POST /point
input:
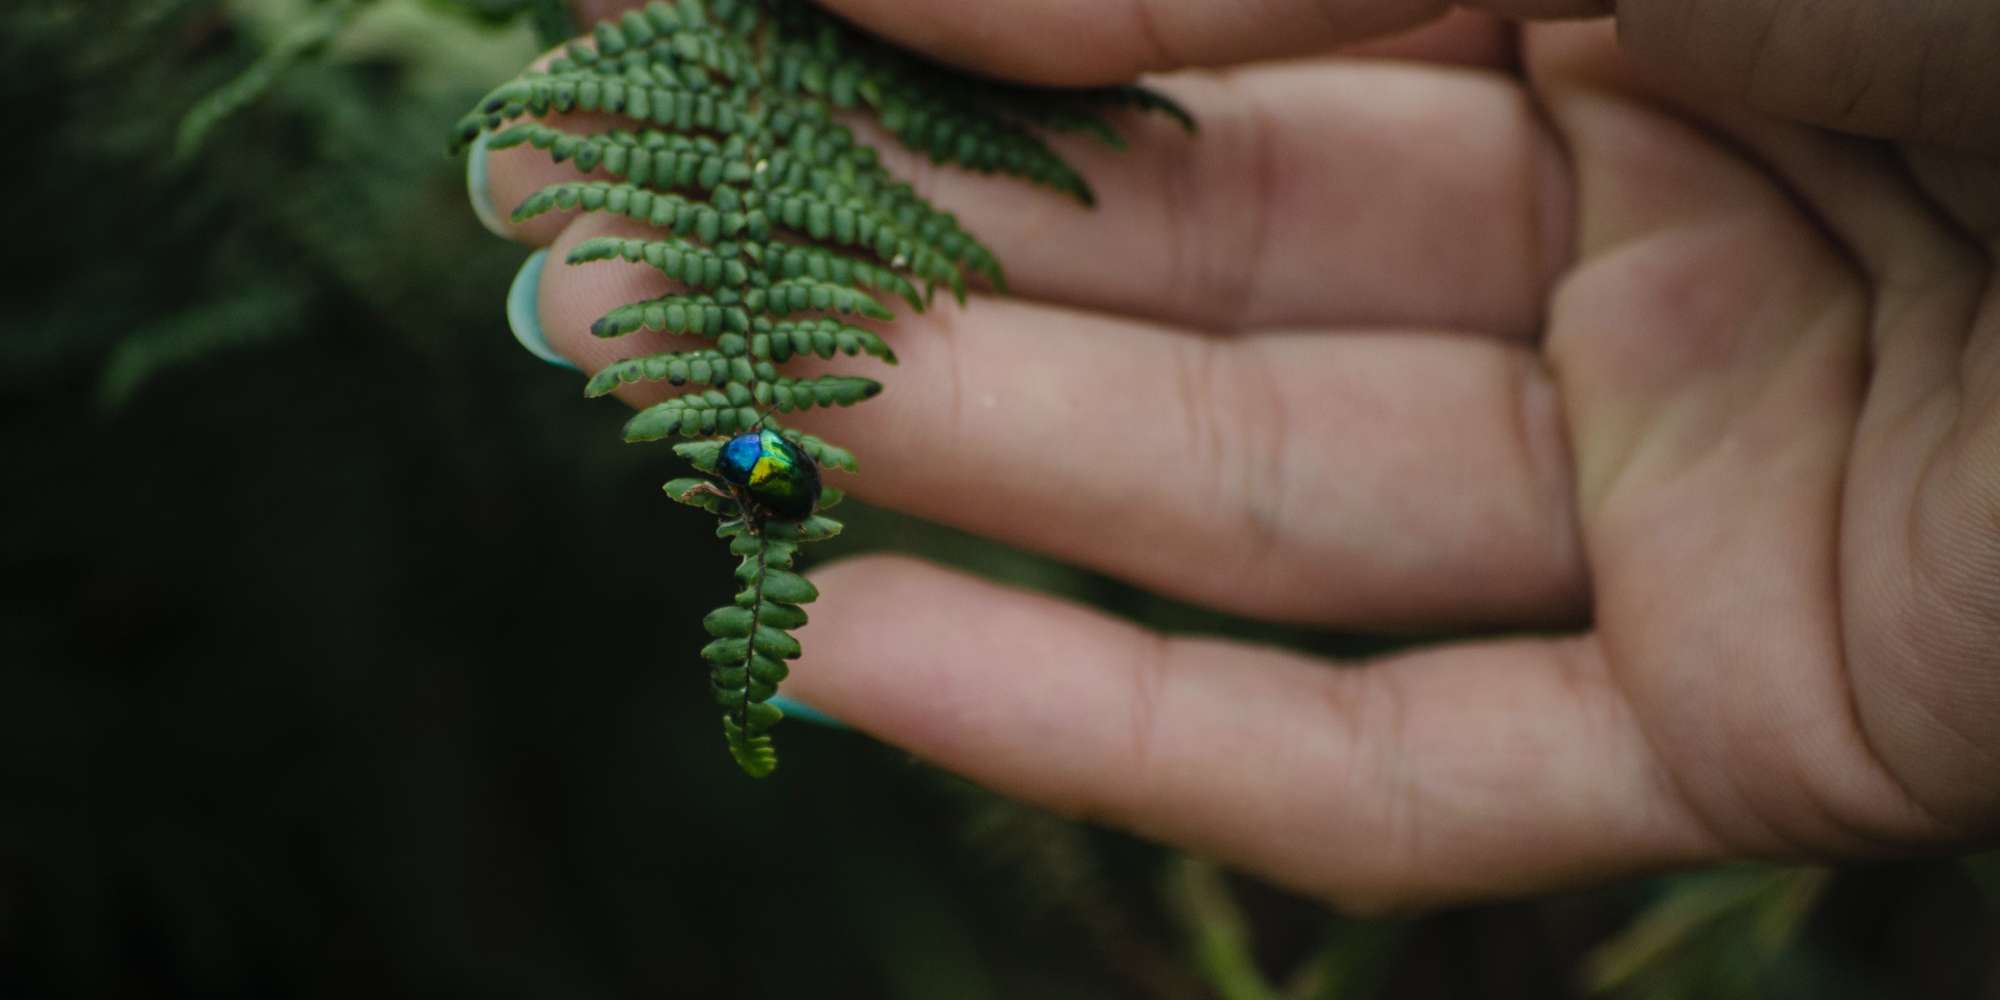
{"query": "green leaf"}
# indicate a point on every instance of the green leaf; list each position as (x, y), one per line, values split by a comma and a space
(731, 622)
(726, 652)
(697, 414)
(782, 616)
(768, 670)
(789, 588)
(823, 337)
(700, 454)
(773, 642)
(754, 754)
(701, 367)
(786, 395)
(826, 455)
(1757, 908)
(759, 552)
(690, 491)
(812, 529)
(761, 718)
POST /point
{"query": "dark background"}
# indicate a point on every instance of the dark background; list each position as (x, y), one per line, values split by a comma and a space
(345, 651)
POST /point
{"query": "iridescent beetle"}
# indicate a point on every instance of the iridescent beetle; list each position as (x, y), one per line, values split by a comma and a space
(769, 477)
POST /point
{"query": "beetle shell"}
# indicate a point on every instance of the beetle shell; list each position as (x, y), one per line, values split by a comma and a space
(772, 472)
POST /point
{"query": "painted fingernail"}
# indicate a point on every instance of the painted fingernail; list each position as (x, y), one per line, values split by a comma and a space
(524, 311)
(796, 709)
(478, 191)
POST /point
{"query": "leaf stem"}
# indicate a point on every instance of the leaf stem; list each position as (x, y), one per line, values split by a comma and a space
(756, 620)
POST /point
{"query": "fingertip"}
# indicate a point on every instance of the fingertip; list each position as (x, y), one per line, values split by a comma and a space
(498, 181)
(524, 317)
(872, 611)
(479, 189)
(799, 710)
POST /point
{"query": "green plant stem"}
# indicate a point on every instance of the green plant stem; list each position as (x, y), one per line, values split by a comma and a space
(254, 81)
(1217, 931)
(756, 619)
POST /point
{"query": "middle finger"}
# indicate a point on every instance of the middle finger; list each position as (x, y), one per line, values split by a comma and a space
(1335, 192)
(1380, 478)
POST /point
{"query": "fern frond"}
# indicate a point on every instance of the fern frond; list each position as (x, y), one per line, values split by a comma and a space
(309, 36)
(702, 367)
(702, 315)
(823, 337)
(785, 394)
(692, 264)
(779, 229)
(789, 296)
(697, 414)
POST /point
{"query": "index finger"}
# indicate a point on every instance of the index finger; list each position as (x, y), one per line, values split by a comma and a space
(1885, 68)
(1066, 43)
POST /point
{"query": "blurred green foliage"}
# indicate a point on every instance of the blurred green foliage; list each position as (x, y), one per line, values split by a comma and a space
(334, 660)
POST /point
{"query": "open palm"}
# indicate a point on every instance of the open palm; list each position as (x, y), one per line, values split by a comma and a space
(1496, 334)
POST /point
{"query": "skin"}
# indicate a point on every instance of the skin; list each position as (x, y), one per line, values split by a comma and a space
(1672, 347)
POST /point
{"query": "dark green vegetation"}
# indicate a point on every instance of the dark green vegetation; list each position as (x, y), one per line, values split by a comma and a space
(781, 229)
(335, 659)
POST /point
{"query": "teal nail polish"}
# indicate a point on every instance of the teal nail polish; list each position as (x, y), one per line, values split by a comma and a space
(524, 315)
(478, 191)
(796, 709)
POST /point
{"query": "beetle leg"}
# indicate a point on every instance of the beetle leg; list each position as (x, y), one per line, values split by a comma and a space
(753, 517)
(706, 489)
(753, 514)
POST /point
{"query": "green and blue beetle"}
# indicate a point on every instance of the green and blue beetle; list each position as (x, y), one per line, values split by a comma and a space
(769, 477)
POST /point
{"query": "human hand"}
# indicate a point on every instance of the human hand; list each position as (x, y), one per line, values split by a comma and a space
(1519, 330)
